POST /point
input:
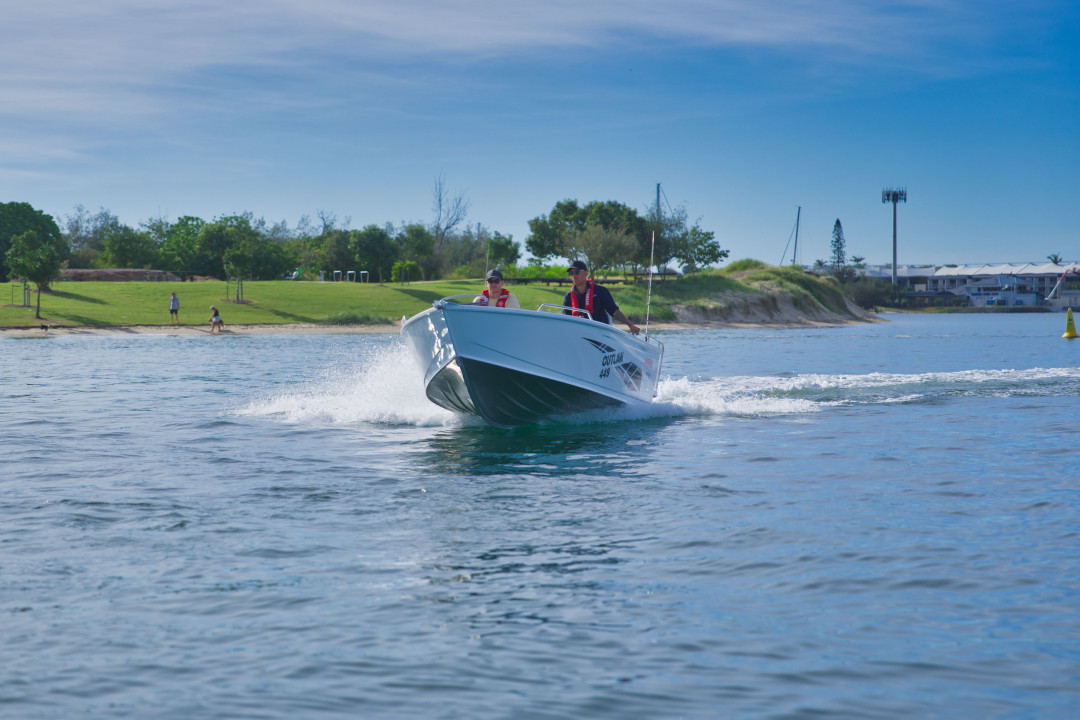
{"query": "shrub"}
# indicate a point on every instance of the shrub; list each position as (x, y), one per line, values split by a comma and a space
(743, 266)
(869, 292)
(343, 318)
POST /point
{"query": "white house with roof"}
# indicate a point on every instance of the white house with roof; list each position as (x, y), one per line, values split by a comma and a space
(1011, 283)
(915, 277)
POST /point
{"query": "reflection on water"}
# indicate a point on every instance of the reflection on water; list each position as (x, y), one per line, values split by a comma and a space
(609, 450)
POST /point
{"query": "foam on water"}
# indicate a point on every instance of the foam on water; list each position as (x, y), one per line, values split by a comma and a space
(751, 396)
(383, 386)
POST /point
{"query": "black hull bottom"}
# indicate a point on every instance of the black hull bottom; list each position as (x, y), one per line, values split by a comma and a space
(508, 398)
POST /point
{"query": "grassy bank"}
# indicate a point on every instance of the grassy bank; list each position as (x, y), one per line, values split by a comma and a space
(271, 302)
(710, 288)
(279, 302)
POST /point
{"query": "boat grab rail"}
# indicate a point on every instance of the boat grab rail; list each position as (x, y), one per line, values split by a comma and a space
(645, 338)
(581, 312)
(557, 306)
(440, 304)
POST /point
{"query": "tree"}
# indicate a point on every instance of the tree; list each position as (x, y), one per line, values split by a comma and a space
(553, 234)
(449, 212)
(328, 220)
(178, 248)
(467, 253)
(35, 259)
(124, 247)
(549, 233)
(502, 250)
(218, 237)
(249, 251)
(338, 252)
(669, 228)
(1054, 258)
(416, 242)
(237, 263)
(308, 252)
(838, 257)
(85, 234)
(18, 217)
(270, 260)
(870, 292)
(696, 248)
(601, 247)
(375, 250)
(405, 270)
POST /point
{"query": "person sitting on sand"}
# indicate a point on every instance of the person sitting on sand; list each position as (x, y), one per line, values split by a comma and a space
(215, 320)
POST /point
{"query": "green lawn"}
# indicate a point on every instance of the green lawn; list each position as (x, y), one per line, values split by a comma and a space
(273, 302)
(282, 302)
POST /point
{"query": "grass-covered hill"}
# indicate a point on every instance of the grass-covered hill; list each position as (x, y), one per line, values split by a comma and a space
(746, 291)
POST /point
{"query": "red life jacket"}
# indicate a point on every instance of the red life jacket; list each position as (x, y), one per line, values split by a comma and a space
(588, 298)
(501, 302)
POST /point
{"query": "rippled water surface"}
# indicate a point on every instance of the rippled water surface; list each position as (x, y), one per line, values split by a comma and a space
(872, 521)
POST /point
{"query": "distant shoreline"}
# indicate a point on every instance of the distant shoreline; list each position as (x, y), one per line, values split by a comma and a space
(311, 328)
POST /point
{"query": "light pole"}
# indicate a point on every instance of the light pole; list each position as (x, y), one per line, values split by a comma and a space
(894, 196)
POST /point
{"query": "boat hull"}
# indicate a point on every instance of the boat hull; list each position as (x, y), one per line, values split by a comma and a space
(516, 367)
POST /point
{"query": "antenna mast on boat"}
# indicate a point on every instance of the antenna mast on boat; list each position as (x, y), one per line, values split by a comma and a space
(648, 297)
(652, 254)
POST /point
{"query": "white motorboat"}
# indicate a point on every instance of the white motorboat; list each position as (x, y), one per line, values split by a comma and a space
(514, 367)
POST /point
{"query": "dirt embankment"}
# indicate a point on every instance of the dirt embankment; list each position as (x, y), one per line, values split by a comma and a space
(777, 308)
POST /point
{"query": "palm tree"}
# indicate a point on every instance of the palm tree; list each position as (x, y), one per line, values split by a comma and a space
(1054, 258)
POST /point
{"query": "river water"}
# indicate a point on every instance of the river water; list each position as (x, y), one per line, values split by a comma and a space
(869, 521)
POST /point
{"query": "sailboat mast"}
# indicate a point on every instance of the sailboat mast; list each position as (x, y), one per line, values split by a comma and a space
(795, 252)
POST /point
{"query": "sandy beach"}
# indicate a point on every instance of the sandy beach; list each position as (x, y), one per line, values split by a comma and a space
(36, 332)
(194, 329)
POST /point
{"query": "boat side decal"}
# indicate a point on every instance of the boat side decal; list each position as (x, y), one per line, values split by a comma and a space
(631, 375)
(629, 372)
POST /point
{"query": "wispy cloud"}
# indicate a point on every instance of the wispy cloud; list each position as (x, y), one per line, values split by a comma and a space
(125, 63)
(131, 46)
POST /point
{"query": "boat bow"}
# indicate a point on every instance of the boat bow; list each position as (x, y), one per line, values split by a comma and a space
(513, 367)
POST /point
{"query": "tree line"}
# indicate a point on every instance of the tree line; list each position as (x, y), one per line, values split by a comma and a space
(248, 248)
(607, 235)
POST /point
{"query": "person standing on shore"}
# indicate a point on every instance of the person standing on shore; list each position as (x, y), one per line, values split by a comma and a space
(589, 295)
(174, 309)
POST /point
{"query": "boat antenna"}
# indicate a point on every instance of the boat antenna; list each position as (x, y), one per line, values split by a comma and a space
(648, 297)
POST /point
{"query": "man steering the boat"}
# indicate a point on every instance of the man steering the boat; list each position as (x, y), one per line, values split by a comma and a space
(589, 295)
(496, 295)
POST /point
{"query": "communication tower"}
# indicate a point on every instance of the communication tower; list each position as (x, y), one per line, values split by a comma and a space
(894, 195)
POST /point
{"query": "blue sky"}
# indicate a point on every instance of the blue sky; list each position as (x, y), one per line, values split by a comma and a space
(742, 109)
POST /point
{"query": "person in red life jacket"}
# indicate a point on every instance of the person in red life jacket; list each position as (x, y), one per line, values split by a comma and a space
(495, 294)
(589, 295)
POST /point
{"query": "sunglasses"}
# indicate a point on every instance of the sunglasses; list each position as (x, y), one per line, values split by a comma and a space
(494, 281)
